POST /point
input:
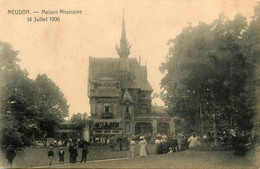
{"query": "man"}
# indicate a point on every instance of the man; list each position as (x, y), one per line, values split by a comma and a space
(50, 156)
(84, 154)
(61, 155)
(10, 154)
(74, 154)
(174, 143)
(71, 151)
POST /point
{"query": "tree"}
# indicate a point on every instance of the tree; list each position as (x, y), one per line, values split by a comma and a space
(79, 120)
(17, 100)
(210, 74)
(52, 104)
(158, 110)
(28, 108)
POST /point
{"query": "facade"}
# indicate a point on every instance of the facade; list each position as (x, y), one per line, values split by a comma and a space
(120, 96)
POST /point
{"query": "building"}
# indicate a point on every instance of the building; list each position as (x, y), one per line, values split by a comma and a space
(120, 96)
(67, 130)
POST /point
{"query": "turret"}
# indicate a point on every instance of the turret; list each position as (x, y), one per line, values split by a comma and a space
(124, 50)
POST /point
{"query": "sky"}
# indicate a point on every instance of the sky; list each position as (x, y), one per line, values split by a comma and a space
(62, 49)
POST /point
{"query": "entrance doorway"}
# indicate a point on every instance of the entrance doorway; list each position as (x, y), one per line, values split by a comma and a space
(143, 128)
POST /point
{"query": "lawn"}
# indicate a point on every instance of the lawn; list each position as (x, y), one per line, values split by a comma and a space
(37, 157)
(185, 159)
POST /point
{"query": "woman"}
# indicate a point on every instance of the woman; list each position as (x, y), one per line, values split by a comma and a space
(193, 140)
(132, 148)
(142, 145)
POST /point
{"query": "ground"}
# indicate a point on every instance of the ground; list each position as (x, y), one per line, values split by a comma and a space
(104, 157)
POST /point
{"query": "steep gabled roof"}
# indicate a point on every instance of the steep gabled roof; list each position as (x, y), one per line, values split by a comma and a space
(103, 68)
(110, 68)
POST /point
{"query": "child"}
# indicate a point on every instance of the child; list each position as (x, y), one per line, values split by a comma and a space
(170, 151)
(61, 155)
(50, 156)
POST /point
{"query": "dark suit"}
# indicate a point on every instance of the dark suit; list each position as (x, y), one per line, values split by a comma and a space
(70, 151)
(84, 154)
(74, 155)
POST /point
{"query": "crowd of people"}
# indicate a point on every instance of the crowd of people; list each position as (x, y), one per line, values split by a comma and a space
(230, 139)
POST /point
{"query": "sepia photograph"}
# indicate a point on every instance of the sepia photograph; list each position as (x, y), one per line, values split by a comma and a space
(129, 84)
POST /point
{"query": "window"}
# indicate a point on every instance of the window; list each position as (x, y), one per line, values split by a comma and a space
(107, 109)
(127, 114)
(144, 109)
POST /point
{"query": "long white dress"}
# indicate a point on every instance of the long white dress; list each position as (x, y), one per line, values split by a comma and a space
(142, 145)
(132, 148)
(193, 141)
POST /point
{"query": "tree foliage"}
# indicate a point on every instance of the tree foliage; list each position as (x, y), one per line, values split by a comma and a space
(210, 72)
(159, 110)
(51, 103)
(29, 108)
(79, 120)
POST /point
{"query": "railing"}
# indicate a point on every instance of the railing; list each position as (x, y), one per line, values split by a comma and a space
(107, 116)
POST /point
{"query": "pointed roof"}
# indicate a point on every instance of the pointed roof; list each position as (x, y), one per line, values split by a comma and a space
(127, 97)
(123, 35)
(124, 49)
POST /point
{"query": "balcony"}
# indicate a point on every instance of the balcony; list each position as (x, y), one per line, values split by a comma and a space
(107, 115)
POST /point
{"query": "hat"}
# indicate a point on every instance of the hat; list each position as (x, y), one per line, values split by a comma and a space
(50, 147)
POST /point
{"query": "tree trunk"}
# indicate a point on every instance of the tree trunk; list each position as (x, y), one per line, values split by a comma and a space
(201, 122)
(215, 128)
(230, 121)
